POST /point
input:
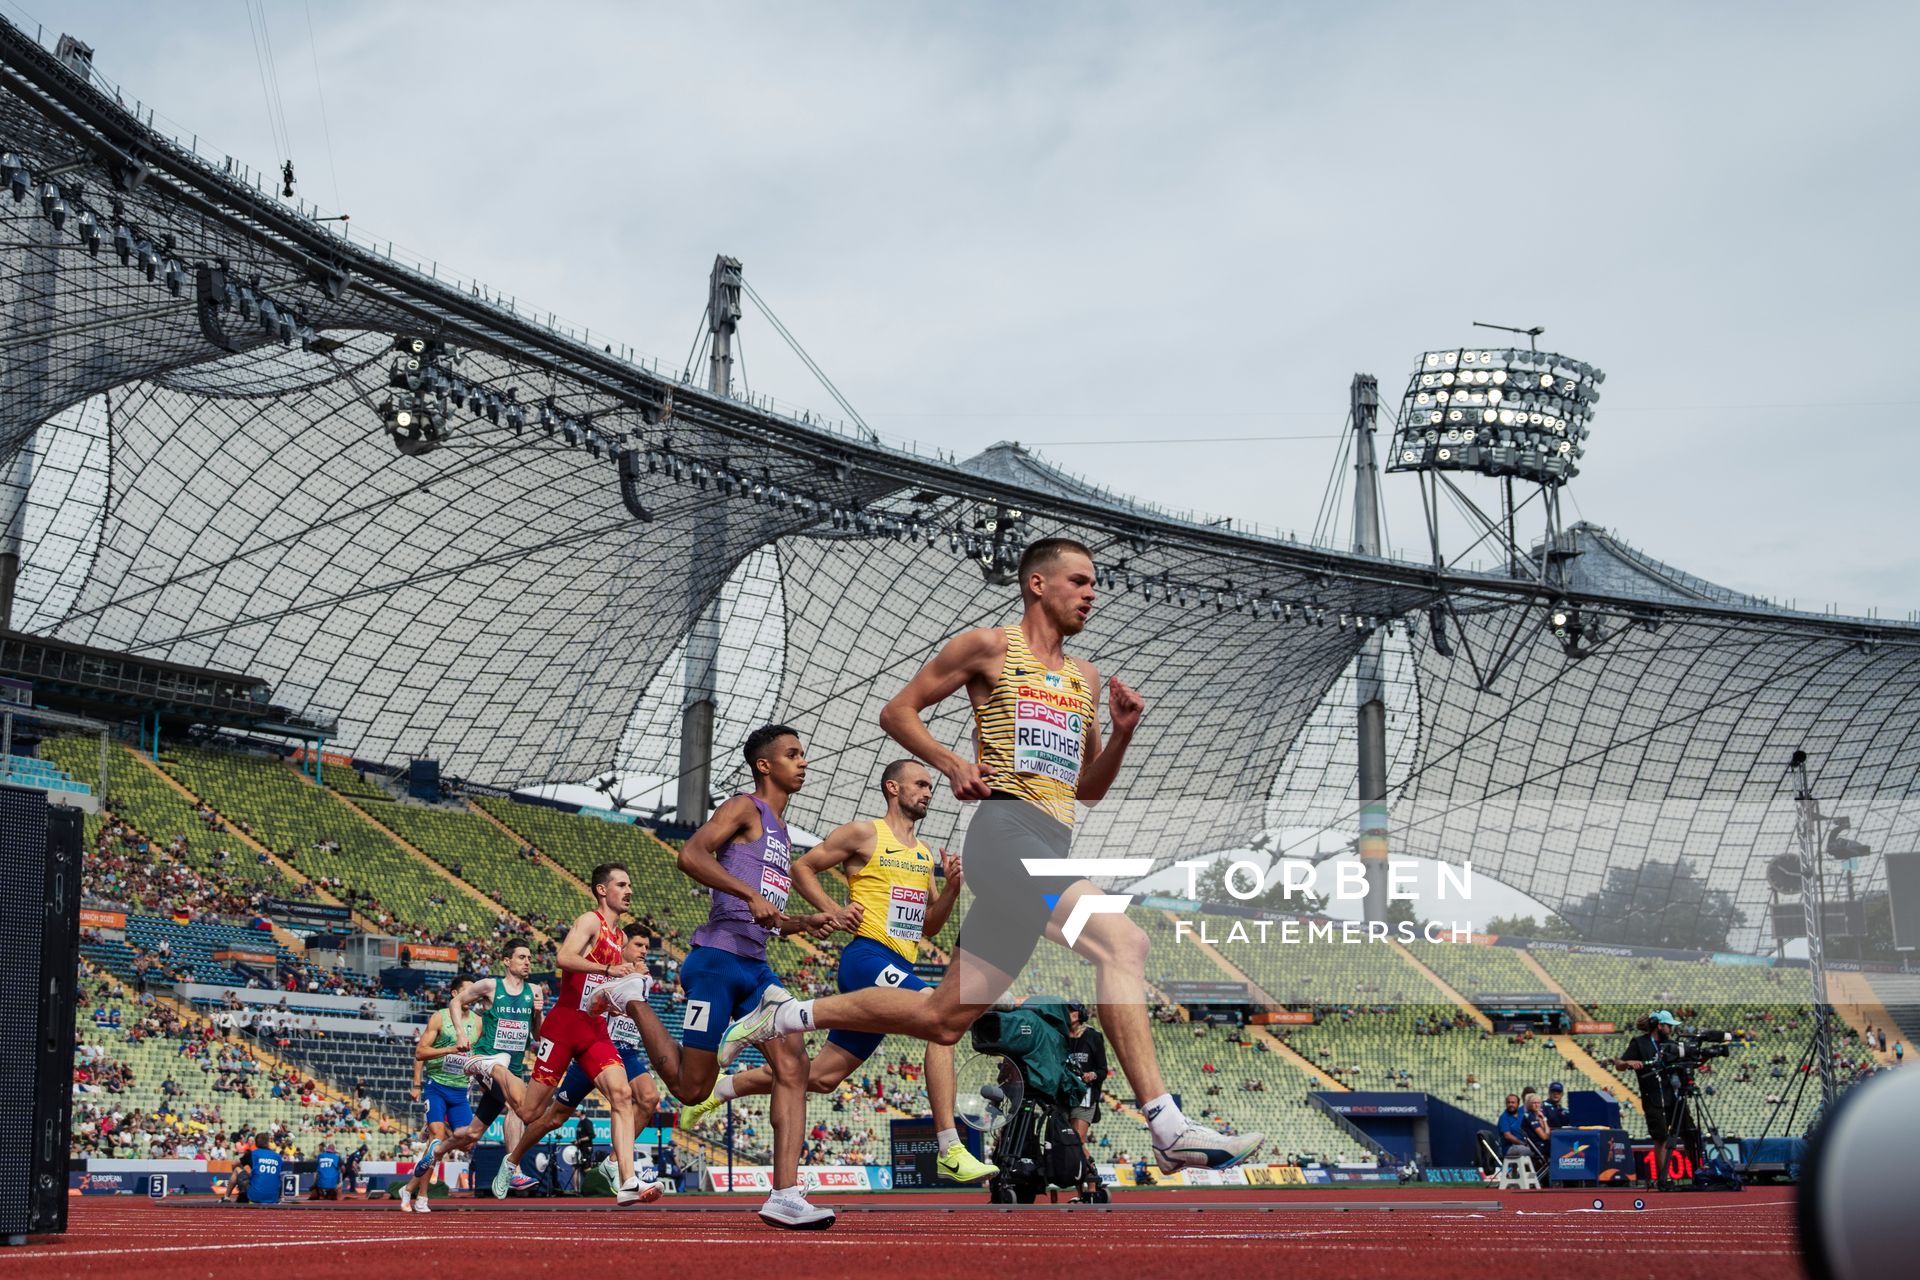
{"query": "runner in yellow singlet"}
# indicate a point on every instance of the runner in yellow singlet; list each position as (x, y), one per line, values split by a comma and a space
(1039, 754)
(890, 876)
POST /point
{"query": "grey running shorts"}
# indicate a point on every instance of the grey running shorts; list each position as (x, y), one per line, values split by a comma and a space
(1010, 906)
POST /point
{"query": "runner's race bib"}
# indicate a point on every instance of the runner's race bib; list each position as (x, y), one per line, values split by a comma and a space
(587, 988)
(1048, 730)
(775, 885)
(906, 912)
(623, 1030)
(510, 1035)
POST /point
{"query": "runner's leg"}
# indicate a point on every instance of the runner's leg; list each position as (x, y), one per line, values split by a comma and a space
(787, 1058)
(1118, 949)
(613, 1086)
(829, 1067)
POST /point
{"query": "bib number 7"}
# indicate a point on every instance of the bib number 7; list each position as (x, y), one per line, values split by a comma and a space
(695, 1019)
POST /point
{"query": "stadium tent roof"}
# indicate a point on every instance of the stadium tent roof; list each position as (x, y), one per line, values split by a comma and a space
(209, 496)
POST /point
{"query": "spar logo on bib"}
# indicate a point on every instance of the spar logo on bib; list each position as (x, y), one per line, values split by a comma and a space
(1048, 730)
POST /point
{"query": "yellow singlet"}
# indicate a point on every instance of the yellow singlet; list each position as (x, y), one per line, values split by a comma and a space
(1033, 730)
(894, 889)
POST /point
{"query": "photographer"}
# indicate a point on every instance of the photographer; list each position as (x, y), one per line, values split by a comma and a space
(1650, 1056)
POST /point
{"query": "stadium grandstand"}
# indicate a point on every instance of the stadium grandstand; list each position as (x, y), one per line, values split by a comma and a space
(335, 686)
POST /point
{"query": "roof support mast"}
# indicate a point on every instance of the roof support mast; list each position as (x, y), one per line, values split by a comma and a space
(701, 673)
(1370, 688)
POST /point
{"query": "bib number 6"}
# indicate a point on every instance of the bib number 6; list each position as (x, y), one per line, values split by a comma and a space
(891, 976)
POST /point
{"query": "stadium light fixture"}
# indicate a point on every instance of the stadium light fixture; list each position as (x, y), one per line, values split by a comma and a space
(1509, 413)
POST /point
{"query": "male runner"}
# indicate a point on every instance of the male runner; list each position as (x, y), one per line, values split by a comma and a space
(588, 957)
(446, 1092)
(511, 1009)
(890, 873)
(506, 1018)
(742, 856)
(574, 1089)
(1037, 734)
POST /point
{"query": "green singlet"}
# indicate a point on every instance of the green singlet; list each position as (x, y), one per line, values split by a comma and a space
(437, 1070)
(506, 1025)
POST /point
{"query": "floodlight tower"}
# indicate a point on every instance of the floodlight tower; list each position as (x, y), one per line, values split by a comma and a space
(701, 675)
(1519, 416)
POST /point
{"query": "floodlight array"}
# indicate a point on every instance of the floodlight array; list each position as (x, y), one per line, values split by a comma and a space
(1515, 413)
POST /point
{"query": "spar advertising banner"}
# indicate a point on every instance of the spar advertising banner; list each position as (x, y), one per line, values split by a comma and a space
(813, 1177)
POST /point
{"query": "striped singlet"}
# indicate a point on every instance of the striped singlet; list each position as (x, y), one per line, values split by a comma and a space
(1032, 730)
(894, 887)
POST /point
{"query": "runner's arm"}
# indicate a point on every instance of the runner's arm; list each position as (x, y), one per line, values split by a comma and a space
(423, 1050)
(849, 840)
(967, 655)
(539, 1014)
(942, 907)
(1103, 758)
(458, 1009)
(700, 856)
(573, 953)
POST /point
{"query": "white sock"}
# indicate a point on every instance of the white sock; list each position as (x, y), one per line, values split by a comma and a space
(946, 1140)
(794, 1015)
(1164, 1120)
(724, 1089)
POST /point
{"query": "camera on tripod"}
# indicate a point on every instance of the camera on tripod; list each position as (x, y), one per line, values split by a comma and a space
(1687, 1052)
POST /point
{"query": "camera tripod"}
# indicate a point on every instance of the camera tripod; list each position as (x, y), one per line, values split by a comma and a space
(1693, 1118)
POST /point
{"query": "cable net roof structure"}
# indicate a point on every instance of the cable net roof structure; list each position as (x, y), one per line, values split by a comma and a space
(192, 432)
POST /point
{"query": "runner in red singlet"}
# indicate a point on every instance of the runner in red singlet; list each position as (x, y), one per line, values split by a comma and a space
(589, 956)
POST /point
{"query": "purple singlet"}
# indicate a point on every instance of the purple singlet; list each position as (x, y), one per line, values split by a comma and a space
(759, 864)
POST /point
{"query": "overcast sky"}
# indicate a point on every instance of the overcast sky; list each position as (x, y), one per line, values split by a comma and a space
(1064, 223)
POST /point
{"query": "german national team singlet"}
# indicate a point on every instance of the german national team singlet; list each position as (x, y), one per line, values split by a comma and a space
(893, 889)
(1033, 730)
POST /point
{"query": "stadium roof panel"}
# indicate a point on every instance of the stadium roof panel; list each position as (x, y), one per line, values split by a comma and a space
(207, 494)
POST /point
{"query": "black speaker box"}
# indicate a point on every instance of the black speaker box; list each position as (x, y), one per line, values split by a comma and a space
(40, 852)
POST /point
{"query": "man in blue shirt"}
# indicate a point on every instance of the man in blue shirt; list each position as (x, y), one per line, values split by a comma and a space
(1512, 1130)
(326, 1174)
(262, 1168)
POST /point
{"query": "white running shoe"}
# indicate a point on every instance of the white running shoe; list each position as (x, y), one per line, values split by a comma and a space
(406, 1198)
(756, 1027)
(1198, 1147)
(478, 1066)
(614, 996)
(502, 1178)
(420, 1204)
(789, 1208)
(635, 1191)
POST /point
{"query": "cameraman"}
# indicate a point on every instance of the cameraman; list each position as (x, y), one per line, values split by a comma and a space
(1649, 1055)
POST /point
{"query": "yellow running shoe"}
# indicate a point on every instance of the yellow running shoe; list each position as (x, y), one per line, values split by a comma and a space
(957, 1164)
(690, 1117)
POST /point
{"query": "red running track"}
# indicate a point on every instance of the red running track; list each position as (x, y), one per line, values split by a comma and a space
(1429, 1233)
